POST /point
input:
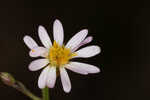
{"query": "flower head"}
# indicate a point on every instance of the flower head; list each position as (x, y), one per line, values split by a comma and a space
(57, 56)
(7, 78)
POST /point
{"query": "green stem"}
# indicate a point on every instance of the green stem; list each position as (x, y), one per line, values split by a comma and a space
(9, 80)
(20, 87)
(45, 93)
(33, 97)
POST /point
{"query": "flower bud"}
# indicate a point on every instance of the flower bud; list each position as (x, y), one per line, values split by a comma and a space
(7, 78)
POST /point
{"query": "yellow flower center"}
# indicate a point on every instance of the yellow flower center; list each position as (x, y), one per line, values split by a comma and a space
(59, 55)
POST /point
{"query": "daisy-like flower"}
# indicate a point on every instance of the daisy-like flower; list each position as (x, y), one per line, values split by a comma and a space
(57, 56)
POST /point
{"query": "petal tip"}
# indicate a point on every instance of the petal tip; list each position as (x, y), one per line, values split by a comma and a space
(85, 31)
(40, 28)
(30, 53)
(99, 49)
(25, 37)
(90, 38)
(67, 90)
(50, 86)
(30, 68)
(41, 87)
(98, 70)
(57, 21)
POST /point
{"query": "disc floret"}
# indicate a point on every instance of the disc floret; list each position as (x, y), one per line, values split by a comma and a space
(59, 55)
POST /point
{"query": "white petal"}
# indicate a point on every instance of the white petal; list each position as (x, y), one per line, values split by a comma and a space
(43, 35)
(39, 51)
(65, 80)
(85, 41)
(76, 69)
(77, 39)
(85, 67)
(42, 78)
(89, 51)
(38, 64)
(88, 40)
(51, 77)
(30, 42)
(58, 32)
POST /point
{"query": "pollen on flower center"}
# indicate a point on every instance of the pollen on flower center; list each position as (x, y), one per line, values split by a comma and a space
(59, 55)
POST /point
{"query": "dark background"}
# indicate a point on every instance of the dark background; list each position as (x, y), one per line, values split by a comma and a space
(19, 18)
(125, 26)
(127, 50)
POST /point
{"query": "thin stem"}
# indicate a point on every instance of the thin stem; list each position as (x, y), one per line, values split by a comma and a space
(33, 97)
(45, 93)
(9, 80)
(20, 87)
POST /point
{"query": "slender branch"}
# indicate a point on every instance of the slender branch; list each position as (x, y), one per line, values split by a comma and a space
(9, 80)
(45, 93)
(20, 87)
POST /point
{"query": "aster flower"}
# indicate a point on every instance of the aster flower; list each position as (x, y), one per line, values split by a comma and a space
(56, 56)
